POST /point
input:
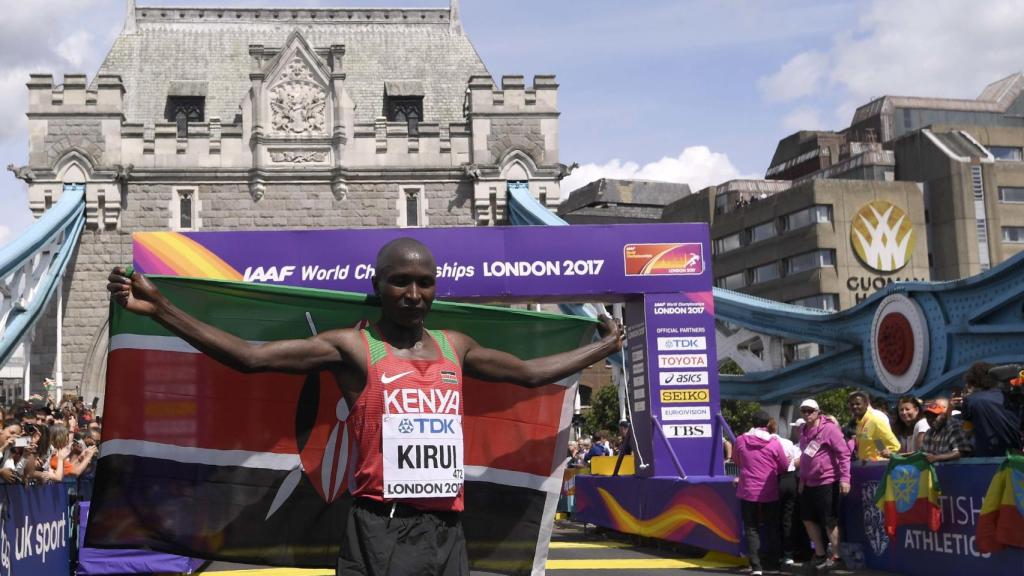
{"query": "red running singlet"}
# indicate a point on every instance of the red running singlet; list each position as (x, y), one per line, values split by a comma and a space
(413, 410)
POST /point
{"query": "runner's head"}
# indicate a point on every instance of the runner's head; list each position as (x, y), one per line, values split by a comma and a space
(405, 280)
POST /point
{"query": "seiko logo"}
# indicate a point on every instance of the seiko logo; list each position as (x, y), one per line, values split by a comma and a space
(693, 396)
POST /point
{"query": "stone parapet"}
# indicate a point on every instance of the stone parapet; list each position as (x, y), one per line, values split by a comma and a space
(74, 97)
(514, 97)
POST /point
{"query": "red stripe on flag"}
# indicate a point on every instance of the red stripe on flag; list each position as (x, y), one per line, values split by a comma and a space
(922, 512)
(192, 400)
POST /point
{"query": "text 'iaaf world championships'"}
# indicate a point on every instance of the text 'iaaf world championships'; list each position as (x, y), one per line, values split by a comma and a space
(448, 271)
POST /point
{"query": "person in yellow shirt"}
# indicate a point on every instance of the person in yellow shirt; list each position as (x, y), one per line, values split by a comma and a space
(874, 434)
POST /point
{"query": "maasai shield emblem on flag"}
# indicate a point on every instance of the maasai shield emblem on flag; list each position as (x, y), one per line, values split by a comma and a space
(204, 461)
(909, 493)
(1001, 522)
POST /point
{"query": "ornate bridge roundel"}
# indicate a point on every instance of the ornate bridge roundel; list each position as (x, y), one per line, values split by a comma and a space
(899, 343)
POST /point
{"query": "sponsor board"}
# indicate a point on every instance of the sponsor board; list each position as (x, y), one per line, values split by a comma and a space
(685, 396)
(682, 343)
(683, 378)
(686, 430)
(671, 259)
(683, 361)
(684, 413)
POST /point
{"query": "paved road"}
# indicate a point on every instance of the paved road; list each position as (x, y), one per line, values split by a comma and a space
(578, 552)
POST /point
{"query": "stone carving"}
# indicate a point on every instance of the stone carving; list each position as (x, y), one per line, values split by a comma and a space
(22, 172)
(340, 189)
(257, 188)
(298, 156)
(298, 103)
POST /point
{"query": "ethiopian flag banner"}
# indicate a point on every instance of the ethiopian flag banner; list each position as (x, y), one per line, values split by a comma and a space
(909, 493)
(203, 461)
(1001, 523)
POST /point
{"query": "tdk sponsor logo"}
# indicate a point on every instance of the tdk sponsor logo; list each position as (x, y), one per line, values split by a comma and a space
(683, 343)
(676, 413)
(679, 308)
(686, 430)
(427, 426)
(683, 378)
(683, 361)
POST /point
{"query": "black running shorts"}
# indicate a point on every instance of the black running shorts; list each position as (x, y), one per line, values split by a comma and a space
(381, 541)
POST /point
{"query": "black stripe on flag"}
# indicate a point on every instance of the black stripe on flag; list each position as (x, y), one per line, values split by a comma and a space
(219, 513)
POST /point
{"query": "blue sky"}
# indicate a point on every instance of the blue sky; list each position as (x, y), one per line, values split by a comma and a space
(689, 91)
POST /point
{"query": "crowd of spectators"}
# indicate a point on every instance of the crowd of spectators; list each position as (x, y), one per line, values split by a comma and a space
(601, 443)
(43, 442)
(981, 420)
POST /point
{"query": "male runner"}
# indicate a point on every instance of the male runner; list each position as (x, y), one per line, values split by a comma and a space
(391, 370)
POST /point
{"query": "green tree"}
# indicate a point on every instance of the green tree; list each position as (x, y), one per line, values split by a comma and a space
(604, 411)
(738, 413)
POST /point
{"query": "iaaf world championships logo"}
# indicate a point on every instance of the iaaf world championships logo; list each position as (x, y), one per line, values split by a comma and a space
(882, 236)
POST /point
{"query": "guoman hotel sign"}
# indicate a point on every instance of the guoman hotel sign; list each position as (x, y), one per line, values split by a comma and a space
(882, 236)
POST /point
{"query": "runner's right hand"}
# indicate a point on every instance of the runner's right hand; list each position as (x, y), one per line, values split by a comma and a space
(135, 294)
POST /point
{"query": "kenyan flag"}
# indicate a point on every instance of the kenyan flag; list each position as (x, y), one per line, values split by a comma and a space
(909, 493)
(204, 461)
(1001, 523)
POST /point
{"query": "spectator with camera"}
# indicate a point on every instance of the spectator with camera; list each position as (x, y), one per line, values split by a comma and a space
(996, 427)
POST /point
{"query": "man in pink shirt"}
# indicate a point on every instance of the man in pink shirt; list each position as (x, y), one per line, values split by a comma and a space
(824, 476)
(761, 459)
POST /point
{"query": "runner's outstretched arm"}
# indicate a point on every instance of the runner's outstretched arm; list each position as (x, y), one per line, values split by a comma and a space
(137, 294)
(495, 365)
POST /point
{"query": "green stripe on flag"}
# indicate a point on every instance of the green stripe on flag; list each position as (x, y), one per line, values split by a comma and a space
(270, 312)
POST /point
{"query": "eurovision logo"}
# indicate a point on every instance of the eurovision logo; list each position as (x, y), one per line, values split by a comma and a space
(882, 236)
(675, 259)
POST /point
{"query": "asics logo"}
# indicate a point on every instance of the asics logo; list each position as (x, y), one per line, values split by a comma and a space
(385, 379)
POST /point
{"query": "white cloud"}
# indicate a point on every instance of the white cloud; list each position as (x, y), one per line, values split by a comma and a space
(697, 166)
(802, 76)
(75, 48)
(949, 49)
(803, 118)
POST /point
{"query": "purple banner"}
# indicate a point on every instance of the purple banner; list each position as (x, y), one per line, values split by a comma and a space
(705, 514)
(512, 263)
(916, 550)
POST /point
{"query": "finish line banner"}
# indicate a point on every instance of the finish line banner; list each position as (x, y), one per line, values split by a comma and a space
(561, 263)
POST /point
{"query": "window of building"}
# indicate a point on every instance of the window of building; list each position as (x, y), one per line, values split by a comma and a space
(819, 214)
(762, 231)
(185, 209)
(765, 273)
(829, 302)
(907, 119)
(408, 109)
(727, 243)
(733, 281)
(1013, 234)
(810, 261)
(1011, 194)
(184, 109)
(412, 207)
(1006, 152)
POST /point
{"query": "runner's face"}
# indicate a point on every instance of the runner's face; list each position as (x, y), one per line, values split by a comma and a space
(407, 289)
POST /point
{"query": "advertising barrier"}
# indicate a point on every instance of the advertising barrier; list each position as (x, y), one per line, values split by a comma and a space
(34, 528)
(916, 550)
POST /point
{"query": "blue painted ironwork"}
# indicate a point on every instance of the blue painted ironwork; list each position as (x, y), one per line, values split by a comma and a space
(32, 265)
(975, 319)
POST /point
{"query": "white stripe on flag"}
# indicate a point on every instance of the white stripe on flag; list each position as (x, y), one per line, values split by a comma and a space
(549, 484)
(207, 456)
(159, 343)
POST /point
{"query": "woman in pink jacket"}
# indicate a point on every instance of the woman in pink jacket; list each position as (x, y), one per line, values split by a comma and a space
(761, 459)
(824, 476)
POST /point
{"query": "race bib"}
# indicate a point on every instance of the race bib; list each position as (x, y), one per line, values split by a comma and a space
(422, 455)
(812, 448)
